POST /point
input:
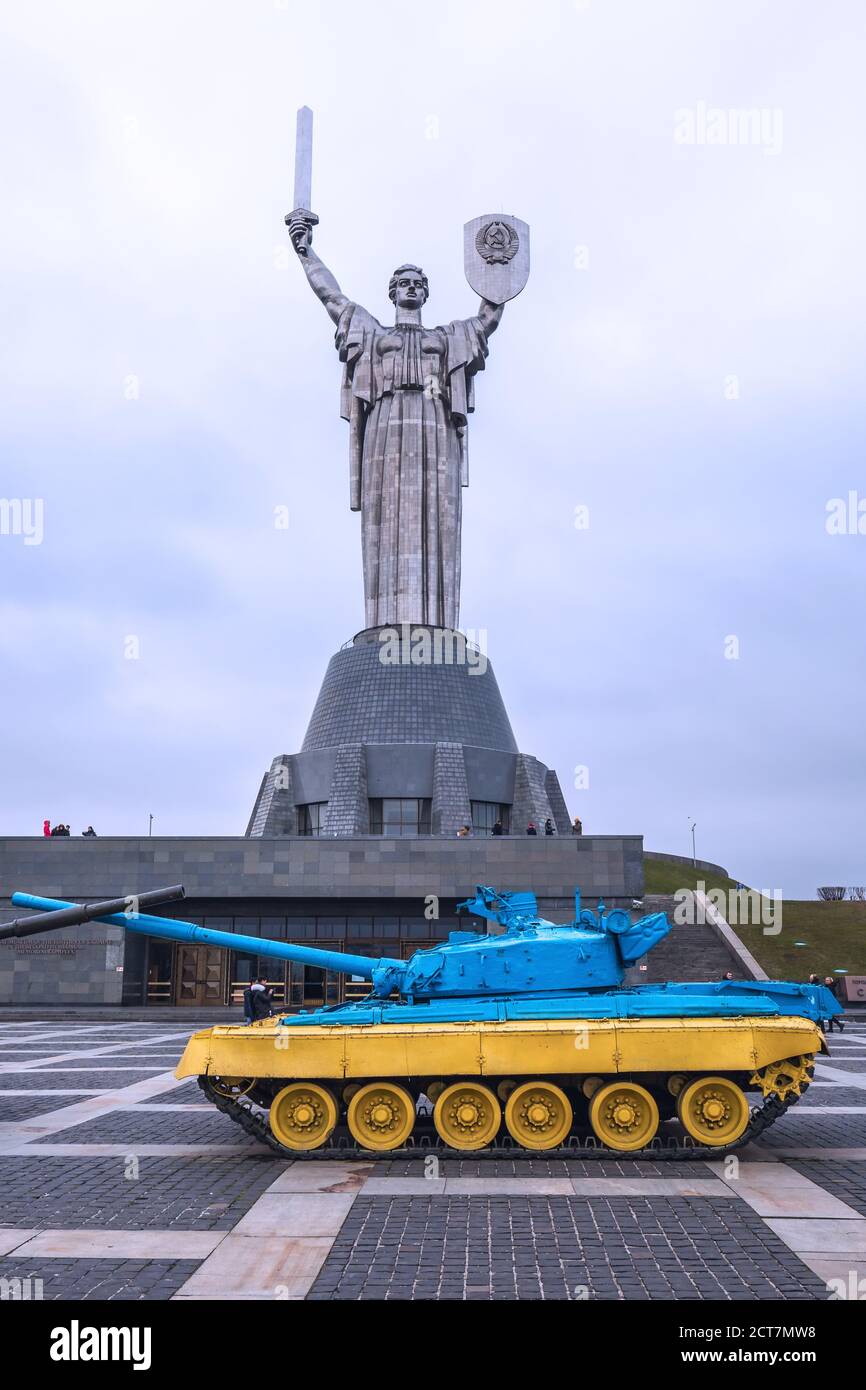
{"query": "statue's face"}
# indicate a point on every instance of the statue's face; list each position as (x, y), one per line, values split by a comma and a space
(409, 290)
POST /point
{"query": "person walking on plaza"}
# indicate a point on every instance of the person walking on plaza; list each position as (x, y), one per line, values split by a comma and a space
(835, 1022)
(530, 829)
(46, 827)
(577, 826)
(548, 827)
(497, 828)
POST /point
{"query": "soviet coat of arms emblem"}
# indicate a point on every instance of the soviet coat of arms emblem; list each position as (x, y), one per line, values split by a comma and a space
(497, 242)
(496, 256)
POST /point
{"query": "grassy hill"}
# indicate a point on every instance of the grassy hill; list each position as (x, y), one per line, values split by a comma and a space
(662, 877)
(834, 933)
(835, 936)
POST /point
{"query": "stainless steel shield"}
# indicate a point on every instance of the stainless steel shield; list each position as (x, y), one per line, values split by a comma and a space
(496, 256)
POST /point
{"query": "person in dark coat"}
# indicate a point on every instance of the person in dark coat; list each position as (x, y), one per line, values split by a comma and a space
(497, 828)
(835, 1022)
(248, 1004)
(548, 827)
(260, 999)
(530, 829)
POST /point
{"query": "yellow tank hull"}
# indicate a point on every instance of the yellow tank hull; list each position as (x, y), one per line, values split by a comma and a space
(573, 1048)
(617, 1080)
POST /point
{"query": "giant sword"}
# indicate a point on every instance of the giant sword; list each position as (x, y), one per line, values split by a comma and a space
(303, 171)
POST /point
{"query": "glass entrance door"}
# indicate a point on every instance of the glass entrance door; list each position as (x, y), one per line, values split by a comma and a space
(309, 987)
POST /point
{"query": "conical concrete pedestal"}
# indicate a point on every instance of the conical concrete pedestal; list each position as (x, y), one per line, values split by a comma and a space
(415, 714)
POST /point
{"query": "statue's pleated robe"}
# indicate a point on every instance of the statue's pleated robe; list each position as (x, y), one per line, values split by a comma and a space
(407, 393)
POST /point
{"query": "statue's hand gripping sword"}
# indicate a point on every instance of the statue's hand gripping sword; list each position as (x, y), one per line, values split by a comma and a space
(303, 177)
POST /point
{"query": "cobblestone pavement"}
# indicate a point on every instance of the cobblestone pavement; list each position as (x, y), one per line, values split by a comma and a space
(821, 1097)
(541, 1168)
(87, 1192)
(88, 1078)
(77, 1280)
(116, 1182)
(559, 1247)
(810, 1126)
(134, 1127)
(845, 1180)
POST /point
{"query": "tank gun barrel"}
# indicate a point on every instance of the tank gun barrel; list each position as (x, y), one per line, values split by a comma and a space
(55, 913)
(71, 914)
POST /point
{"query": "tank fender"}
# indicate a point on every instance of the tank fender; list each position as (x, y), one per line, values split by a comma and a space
(196, 1055)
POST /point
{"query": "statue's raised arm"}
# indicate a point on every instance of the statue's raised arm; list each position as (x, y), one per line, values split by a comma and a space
(490, 316)
(322, 282)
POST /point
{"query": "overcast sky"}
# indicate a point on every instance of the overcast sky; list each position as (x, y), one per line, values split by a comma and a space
(686, 361)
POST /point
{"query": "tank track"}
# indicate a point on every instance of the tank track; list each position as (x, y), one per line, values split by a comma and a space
(255, 1123)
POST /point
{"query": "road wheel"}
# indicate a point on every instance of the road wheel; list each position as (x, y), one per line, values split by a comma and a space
(467, 1115)
(713, 1110)
(381, 1116)
(302, 1115)
(538, 1115)
(624, 1116)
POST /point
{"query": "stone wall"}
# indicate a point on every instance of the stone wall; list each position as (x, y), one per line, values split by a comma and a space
(370, 866)
(355, 876)
(80, 965)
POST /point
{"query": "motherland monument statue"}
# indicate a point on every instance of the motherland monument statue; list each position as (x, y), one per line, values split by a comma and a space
(407, 393)
(409, 735)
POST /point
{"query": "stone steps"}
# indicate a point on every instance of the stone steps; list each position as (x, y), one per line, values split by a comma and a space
(690, 952)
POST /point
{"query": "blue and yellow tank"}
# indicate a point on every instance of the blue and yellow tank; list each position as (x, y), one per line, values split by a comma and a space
(524, 1035)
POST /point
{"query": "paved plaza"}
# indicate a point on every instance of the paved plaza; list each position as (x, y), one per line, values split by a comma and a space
(118, 1182)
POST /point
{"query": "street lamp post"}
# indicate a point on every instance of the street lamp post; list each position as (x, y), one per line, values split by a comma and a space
(692, 824)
